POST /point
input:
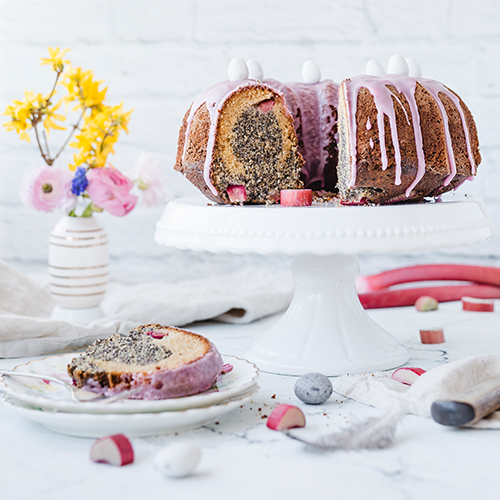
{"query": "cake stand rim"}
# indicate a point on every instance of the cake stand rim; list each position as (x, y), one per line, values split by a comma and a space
(219, 231)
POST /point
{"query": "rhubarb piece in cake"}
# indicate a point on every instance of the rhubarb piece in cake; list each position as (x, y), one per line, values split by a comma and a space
(161, 362)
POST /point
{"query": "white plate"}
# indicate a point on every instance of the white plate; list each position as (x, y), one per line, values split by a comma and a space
(49, 396)
(133, 425)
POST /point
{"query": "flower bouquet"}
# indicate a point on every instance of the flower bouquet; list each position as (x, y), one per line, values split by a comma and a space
(91, 184)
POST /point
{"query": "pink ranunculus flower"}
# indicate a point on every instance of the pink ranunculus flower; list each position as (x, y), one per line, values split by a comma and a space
(110, 190)
(48, 188)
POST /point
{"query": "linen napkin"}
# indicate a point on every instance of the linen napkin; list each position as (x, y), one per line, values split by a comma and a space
(26, 328)
(443, 382)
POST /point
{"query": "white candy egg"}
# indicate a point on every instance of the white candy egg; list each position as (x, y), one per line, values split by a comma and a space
(237, 69)
(178, 460)
(414, 67)
(255, 71)
(397, 65)
(374, 68)
(311, 72)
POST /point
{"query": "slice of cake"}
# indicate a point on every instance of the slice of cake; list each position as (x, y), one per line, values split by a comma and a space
(162, 362)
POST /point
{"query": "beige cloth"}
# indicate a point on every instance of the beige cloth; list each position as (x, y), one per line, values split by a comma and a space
(26, 328)
(379, 390)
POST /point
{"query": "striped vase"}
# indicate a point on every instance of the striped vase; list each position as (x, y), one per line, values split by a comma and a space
(78, 265)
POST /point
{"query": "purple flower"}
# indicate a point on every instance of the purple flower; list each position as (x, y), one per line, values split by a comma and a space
(79, 183)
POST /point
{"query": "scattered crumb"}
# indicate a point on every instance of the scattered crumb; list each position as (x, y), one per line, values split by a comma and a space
(273, 396)
(264, 416)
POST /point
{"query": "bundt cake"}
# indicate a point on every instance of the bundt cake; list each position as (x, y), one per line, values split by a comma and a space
(402, 139)
(376, 139)
(161, 362)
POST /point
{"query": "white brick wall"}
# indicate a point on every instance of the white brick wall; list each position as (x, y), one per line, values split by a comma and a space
(156, 55)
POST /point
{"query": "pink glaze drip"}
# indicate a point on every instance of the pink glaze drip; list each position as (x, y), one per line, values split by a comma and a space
(436, 88)
(214, 97)
(383, 98)
(312, 107)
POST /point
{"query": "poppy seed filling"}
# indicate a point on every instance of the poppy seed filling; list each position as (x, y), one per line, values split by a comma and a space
(134, 349)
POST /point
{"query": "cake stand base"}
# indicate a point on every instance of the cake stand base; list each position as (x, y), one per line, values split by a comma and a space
(325, 328)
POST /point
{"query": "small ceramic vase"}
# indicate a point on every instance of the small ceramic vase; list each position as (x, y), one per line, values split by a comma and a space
(78, 268)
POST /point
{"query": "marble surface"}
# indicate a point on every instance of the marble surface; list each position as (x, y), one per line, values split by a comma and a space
(243, 459)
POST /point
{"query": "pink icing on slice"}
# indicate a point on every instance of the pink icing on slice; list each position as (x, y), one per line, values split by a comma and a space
(368, 124)
(371, 143)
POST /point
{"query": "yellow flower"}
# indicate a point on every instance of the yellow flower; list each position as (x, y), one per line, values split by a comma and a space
(56, 59)
(82, 88)
(50, 116)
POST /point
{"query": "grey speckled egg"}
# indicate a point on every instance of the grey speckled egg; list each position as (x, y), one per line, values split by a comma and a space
(313, 388)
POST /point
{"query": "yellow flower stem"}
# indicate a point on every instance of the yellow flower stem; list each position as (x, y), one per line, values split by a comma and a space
(49, 161)
(35, 120)
(54, 87)
(46, 143)
(75, 126)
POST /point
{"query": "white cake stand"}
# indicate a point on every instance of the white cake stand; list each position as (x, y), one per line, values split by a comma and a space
(325, 328)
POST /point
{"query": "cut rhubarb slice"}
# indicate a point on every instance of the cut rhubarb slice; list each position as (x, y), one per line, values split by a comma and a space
(286, 417)
(236, 193)
(479, 305)
(407, 375)
(432, 336)
(115, 450)
(426, 303)
(296, 197)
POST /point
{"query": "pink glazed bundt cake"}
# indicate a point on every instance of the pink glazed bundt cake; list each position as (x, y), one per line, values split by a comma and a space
(162, 362)
(376, 139)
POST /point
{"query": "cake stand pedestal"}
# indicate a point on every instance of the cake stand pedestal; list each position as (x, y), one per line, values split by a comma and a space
(325, 328)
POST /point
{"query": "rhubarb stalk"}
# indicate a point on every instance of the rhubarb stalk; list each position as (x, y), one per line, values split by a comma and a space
(430, 272)
(408, 296)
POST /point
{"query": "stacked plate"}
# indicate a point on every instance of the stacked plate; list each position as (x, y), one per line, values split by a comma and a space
(51, 406)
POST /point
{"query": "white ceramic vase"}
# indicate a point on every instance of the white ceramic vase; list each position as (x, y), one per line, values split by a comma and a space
(78, 268)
